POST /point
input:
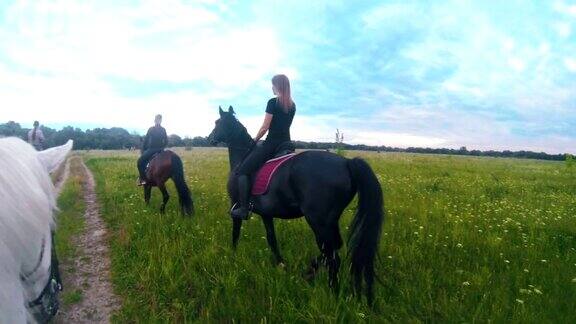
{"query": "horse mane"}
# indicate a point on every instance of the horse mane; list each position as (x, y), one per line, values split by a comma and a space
(240, 127)
(241, 130)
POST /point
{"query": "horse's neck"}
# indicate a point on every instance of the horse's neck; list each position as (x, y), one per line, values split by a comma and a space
(236, 156)
(238, 148)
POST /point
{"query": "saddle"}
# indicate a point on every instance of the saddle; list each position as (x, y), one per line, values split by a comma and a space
(150, 161)
(263, 177)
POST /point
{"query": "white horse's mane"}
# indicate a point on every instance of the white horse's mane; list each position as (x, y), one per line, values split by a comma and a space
(27, 203)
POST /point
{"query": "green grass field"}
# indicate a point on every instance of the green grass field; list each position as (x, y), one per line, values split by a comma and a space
(465, 239)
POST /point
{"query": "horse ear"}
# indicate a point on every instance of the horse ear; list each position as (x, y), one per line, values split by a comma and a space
(53, 157)
(221, 111)
(231, 110)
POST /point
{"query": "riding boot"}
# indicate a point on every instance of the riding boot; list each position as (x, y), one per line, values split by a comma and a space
(141, 174)
(243, 195)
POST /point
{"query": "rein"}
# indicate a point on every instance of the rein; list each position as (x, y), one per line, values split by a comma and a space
(248, 150)
(47, 300)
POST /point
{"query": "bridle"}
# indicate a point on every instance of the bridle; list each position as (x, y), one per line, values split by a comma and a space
(46, 305)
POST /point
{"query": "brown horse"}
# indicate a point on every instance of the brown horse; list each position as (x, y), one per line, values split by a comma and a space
(163, 166)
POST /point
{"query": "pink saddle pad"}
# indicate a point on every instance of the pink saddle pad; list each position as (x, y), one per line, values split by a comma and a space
(265, 174)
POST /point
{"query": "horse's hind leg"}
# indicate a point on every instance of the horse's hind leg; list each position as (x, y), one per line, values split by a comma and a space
(333, 262)
(314, 266)
(329, 241)
(147, 192)
(271, 238)
(334, 243)
(165, 197)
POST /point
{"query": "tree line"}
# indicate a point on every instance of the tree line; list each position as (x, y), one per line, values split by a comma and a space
(117, 138)
(114, 138)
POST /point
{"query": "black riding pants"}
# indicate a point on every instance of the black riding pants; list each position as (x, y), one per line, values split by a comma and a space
(258, 157)
(144, 159)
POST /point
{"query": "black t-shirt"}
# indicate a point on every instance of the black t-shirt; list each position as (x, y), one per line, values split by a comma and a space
(156, 138)
(280, 126)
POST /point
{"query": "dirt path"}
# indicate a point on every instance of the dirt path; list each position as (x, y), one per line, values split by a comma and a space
(91, 267)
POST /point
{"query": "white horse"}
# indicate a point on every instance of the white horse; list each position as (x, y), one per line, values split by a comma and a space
(28, 283)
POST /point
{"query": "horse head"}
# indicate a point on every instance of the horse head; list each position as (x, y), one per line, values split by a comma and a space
(224, 128)
(29, 278)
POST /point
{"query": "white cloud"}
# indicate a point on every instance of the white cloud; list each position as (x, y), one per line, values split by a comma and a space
(508, 44)
(66, 101)
(62, 53)
(564, 8)
(570, 64)
(516, 63)
(386, 14)
(563, 29)
(462, 89)
(487, 64)
(154, 41)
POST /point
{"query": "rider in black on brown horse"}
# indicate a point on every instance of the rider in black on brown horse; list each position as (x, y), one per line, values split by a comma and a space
(155, 141)
(162, 165)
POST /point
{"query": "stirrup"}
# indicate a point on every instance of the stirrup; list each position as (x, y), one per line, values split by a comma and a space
(233, 207)
(250, 206)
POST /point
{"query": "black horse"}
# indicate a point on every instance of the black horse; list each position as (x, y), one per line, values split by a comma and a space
(317, 185)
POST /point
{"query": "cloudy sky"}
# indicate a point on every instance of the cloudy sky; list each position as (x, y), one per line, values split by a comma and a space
(482, 74)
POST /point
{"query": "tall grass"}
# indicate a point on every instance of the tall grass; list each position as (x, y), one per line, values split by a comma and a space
(465, 239)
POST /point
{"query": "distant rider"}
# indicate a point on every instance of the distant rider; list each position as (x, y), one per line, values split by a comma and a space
(36, 137)
(155, 141)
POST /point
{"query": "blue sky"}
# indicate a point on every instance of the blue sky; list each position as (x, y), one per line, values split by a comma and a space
(482, 74)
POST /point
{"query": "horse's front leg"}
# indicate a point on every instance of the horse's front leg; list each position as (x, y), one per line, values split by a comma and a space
(236, 227)
(271, 238)
(165, 197)
(147, 192)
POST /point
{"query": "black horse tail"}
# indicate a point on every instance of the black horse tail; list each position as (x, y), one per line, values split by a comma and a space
(366, 227)
(186, 203)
